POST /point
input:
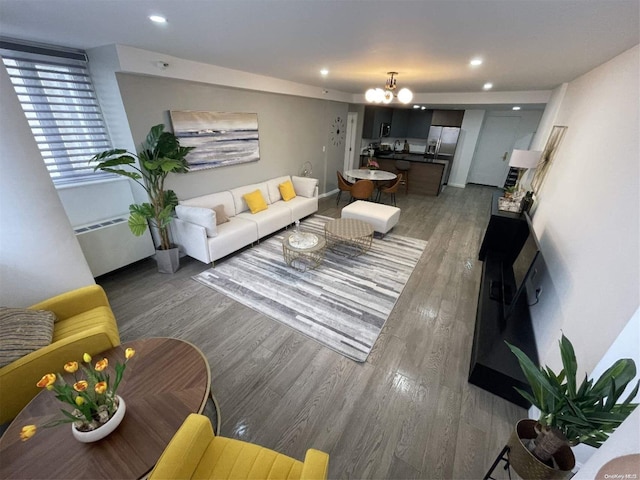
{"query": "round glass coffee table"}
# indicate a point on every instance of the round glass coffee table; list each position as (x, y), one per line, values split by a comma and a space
(348, 236)
(303, 251)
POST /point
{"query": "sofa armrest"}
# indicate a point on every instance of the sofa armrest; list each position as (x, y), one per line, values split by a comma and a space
(71, 303)
(316, 465)
(18, 379)
(192, 239)
(186, 448)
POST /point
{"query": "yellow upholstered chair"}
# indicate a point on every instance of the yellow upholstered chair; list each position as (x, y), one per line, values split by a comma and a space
(85, 323)
(196, 452)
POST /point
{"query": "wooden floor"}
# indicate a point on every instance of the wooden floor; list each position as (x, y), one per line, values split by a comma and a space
(408, 412)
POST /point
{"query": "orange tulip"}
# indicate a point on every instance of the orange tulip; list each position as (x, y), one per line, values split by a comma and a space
(101, 387)
(27, 432)
(80, 386)
(129, 352)
(102, 364)
(86, 358)
(71, 367)
(48, 380)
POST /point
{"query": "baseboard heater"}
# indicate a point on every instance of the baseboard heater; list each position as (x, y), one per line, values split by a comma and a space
(109, 244)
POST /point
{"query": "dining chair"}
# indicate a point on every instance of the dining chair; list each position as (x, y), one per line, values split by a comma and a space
(362, 190)
(343, 186)
(391, 189)
(403, 166)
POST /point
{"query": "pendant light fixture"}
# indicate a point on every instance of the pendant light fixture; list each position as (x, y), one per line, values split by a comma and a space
(379, 95)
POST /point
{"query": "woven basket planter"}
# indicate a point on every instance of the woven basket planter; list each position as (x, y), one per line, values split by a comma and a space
(527, 465)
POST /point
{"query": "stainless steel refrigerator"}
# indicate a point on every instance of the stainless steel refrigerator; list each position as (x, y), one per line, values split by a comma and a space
(441, 147)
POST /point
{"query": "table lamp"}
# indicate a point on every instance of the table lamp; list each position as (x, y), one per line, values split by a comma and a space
(523, 159)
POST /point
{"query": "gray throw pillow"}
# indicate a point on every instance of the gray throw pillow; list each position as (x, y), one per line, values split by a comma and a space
(23, 331)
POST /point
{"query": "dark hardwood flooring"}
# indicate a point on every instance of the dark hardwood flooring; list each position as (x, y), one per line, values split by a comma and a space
(407, 412)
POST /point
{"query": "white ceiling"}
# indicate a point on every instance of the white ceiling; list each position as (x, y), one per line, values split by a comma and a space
(525, 44)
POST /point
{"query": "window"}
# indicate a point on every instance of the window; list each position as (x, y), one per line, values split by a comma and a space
(58, 99)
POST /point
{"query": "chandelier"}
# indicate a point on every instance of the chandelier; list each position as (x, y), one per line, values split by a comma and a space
(379, 95)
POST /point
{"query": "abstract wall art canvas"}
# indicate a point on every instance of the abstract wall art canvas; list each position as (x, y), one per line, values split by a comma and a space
(220, 138)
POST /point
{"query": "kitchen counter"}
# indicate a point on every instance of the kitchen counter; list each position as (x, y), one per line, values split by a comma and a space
(425, 175)
(411, 157)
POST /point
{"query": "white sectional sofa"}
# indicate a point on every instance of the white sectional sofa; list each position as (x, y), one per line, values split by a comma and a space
(196, 232)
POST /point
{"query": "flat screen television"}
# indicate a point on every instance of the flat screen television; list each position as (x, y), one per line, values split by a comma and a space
(525, 270)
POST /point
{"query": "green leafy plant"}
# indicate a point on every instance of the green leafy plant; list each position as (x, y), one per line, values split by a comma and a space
(587, 413)
(161, 154)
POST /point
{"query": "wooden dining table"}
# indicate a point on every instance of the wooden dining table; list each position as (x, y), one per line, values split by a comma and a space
(165, 381)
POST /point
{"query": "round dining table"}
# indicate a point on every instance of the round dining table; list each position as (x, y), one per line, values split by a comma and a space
(367, 174)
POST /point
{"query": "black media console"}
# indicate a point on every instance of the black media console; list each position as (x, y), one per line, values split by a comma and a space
(493, 367)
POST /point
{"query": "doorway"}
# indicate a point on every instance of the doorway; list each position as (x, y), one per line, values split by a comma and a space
(490, 164)
(350, 142)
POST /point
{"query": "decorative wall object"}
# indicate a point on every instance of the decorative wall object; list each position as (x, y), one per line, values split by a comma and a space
(548, 154)
(221, 138)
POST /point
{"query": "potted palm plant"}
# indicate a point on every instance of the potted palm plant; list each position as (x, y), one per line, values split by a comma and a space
(569, 413)
(161, 154)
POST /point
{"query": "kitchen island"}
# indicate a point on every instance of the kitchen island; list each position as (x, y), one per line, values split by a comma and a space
(426, 176)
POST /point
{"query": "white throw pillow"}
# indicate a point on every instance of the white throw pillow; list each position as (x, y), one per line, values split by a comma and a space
(205, 217)
(304, 186)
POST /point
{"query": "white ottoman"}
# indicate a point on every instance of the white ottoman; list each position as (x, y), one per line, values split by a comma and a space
(382, 217)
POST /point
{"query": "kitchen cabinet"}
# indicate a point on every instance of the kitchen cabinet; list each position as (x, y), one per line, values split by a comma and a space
(419, 123)
(373, 118)
(447, 118)
(400, 122)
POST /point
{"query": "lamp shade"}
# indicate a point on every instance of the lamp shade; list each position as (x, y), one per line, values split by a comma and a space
(525, 158)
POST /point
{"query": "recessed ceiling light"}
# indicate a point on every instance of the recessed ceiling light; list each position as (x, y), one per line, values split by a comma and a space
(475, 62)
(423, 108)
(324, 72)
(416, 106)
(488, 86)
(516, 108)
(157, 19)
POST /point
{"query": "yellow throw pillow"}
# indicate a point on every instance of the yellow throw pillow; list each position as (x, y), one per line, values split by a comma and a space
(287, 191)
(255, 200)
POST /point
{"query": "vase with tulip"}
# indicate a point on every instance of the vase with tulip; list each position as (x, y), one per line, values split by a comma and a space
(92, 394)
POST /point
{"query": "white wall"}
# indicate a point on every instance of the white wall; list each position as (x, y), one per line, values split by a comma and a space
(588, 214)
(469, 133)
(39, 254)
(624, 441)
(292, 130)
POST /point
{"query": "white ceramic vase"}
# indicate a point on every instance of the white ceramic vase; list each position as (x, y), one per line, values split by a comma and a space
(101, 432)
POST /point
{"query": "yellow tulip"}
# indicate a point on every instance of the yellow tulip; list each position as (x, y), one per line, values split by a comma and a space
(101, 387)
(27, 432)
(79, 401)
(71, 367)
(80, 386)
(47, 380)
(86, 358)
(129, 352)
(102, 364)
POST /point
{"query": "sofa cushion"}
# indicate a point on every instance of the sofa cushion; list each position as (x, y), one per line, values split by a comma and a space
(23, 331)
(305, 186)
(212, 200)
(255, 201)
(205, 217)
(221, 215)
(287, 191)
(239, 192)
(272, 187)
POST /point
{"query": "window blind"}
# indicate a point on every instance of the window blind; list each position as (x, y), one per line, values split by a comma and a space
(59, 101)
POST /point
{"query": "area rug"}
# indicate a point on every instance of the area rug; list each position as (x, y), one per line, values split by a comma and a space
(343, 304)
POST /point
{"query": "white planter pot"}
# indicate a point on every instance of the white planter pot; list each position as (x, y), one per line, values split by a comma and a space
(104, 430)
